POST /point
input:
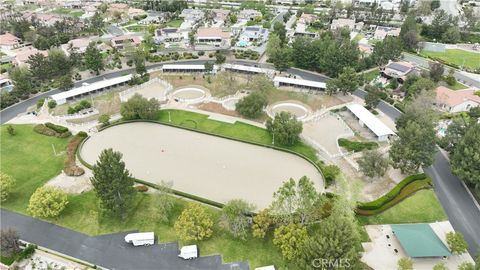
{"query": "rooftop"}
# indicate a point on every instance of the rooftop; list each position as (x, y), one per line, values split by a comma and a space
(300, 82)
(419, 240)
(453, 98)
(370, 120)
(9, 39)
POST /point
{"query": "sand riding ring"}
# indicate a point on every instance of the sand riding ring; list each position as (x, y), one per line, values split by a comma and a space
(190, 95)
(300, 110)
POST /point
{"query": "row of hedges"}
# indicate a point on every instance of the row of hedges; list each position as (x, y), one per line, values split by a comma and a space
(84, 104)
(70, 167)
(356, 146)
(49, 129)
(396, 191)
(25, 253)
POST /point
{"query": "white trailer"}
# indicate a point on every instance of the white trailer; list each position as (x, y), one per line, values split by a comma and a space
(188, 252)
(140, 239)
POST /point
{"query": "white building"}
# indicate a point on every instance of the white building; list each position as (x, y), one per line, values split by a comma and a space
(456, 101)
(284, 81)
(366, 118)
(182, 68)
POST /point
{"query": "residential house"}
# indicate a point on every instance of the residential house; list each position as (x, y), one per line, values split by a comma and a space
(249, 14)
(221, 15)
(135, 12)
(9, 41)
(121, 8)
(45, 19)
(22, 54)
(251, 35)
(119, 42)
(168, 35)
(192, 15)
(381, 32)
(397, 70)
(78, 45)
(71, 3)
(307, 19)
(349, 23)
(456, 101)
(214, 36)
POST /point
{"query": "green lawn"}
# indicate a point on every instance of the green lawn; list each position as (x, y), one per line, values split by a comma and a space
(135, 28)
(30, 159)
(372, 74)
(175, 23)
(423, 206)
(457, 86)
(458, 57)
(68, 11)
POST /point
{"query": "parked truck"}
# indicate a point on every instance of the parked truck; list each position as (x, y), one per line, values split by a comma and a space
(140, 239)
(188, 252)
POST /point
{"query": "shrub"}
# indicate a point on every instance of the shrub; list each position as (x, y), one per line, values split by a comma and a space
(70, 167)
(26, 253)
(356, 146)
(252, 105)
(201, 53)
(82, 134)
(194, 224)
(330, 172)
(47, 202)
(141, 188)
(42, 129)
(40, 103)
(56, 128)
(104, 119)
(6, 186)
(380, 202)
(52, 104)
(10, 130)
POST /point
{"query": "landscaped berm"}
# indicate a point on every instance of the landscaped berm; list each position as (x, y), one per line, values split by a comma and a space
(207, 166)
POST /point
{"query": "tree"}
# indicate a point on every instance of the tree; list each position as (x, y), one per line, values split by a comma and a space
(138, 107)
(252, 106)
(347, 81)
(466, 266)
(440, 266)
(436, 71)
(452, 35)
(11, 130)
(411, 40)
(47, 202)
(434, 4)
(285, 128)
(420, 85)
(405, 264)
(7, 183)
(22, 80)
(139, 60)
(164, 201)
(389, 49)
(96, 22)
(454, 133)
(52, 104)
(281, 59)
(112, 183)
(104, 119)
(280, 30)
(261, 223)
(294, 199)
(273, 45)
(373, 96)
(93, 58)
(415, 147)
(9, 242)
(220, 57)
(194, 224)
(336, 238)
(65, 82)
(373, 164)
(208, 67)
(456, 243)
(235, 214)
(290, 239)
(465, 160)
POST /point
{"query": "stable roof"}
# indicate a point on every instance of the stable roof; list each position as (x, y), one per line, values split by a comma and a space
(419, 240)
(184, 67)
(370, 120)
(244, 68)
(91, 87)
(300, 82)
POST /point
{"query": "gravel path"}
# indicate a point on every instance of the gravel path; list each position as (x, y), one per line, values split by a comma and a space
(207, 166)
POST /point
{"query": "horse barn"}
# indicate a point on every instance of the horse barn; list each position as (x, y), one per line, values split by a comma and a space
(183, 68)
(366, 118)
(284, 81)
(246, 69)
(85, 90)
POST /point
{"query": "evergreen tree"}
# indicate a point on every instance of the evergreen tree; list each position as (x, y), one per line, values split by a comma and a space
(93, 58)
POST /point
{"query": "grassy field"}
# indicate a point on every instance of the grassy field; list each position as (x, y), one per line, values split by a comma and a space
(175, 23)
(135, 28)
(69, 12)
(421, 207)
(458, 57)
(457, 86)
(372, 74)
(30, 159)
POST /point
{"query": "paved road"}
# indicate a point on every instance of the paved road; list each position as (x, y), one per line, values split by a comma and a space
(108, 250)
(461, 76)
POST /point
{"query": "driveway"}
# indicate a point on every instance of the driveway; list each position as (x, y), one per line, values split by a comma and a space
(110, 250)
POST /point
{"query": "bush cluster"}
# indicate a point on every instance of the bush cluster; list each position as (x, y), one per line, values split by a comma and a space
(380, 202)
(44, 129)
(141, 188)
(84, 104)
(70, 167)
(247, 54)
(356, 146)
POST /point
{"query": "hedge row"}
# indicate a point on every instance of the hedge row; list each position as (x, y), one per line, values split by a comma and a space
(356, 146)
(56, 128)
(70, 167)
(392, 194)
(48, 131)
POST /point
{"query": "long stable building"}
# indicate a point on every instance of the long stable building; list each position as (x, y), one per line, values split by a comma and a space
(183, 68)
(284, 81)
(85, 90)
(366, 118)
(246, 69)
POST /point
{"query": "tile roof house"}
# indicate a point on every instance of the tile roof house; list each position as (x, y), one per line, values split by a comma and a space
(192, 15)
(22, 54)
(249, 14)
(221, 15)
(341, 23)
(119, 42)
(9, 41)
(212, 36)
(456, 101)
(118, 7)
(78, 45)
(307, 18)
(168, 35)
(382, 32)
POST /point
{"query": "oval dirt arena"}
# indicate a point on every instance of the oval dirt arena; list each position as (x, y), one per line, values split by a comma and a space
(207, 166)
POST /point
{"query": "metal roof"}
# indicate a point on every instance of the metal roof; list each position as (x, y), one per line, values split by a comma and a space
(370, 120)
(244, 68)
(184, 67)
(300, 82)
(91, 87)
(419, 240)
(398, 67)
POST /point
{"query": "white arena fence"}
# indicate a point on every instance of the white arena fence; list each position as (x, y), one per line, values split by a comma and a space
(125, 95)
(91, 112)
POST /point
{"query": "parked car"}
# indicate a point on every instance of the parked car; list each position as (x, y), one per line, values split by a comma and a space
(140, 239)
(188, 252)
